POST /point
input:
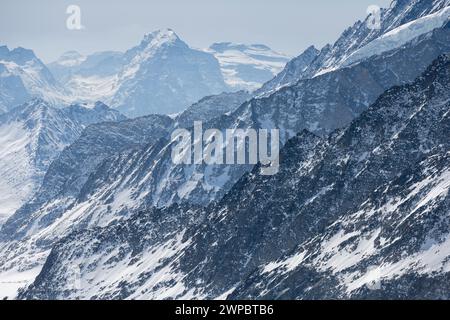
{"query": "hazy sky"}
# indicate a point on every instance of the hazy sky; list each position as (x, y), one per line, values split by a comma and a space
(288, 26)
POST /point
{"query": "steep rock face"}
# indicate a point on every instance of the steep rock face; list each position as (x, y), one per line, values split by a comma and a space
(32, 137)
(247, 67)
(362, 213)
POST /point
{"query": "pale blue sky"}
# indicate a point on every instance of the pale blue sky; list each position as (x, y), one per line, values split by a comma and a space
(285, 25)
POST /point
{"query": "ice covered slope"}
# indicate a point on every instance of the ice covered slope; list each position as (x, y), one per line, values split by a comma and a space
(22, 76)
(403, 21)
(31, 136)
(401, 35)
(247, 67)
(362, 213)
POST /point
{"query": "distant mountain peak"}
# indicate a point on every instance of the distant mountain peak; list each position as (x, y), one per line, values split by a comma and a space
(247, 66)
(311, 49)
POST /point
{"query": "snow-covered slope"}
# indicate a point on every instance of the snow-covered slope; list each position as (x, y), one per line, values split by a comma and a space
(68, 179)
(247, 67)
(362, 213)
(74, 173)
(404, 15)
(31, 136)
(22, 76)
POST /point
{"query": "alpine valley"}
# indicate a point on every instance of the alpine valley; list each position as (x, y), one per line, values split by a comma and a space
(92, 205)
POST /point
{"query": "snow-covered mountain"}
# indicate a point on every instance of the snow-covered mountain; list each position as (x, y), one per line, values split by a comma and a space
(247, 67)
(144, 177)
(81, 166)
(361, 213)
(31, 137)
(292, 72)
(401, 23)
(88, 78)
(372, 211)
(67, 176)
(23, 76)
(161, 75)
